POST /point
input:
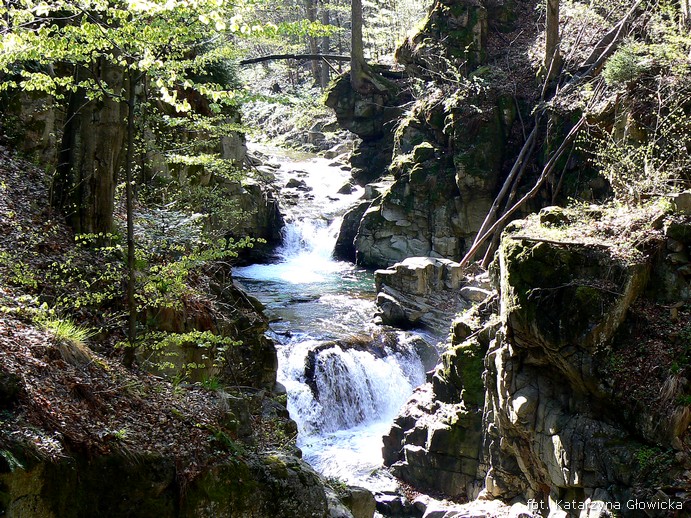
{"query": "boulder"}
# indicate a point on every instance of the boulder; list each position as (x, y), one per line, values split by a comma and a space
(359, 501)
(345, 246)
(266, 486)
(424, 291)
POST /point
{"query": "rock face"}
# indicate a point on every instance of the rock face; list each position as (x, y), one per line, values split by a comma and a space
(230, 313)
(448, 158)
(265, 486)
(371, 116)
(455, 33)
(424, 291)
(569, 389)
(260, 218)
(446, 152)
(557, 308)
(436, 441)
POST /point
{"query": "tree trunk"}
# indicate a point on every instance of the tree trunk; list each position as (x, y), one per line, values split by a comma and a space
(311, 10)
(552, 40)
(686, 13)
(91, 154)
(326, 43)
(129, 357)
(357, 53)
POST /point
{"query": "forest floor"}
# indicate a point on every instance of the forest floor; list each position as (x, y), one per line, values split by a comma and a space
(65, 391)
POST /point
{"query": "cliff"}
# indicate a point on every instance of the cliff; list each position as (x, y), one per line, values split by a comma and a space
(572, 384)
(568, 387)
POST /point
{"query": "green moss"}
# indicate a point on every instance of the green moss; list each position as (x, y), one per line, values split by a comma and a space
(479, 153)
(423, 152)
(276, 466)
(463, 366)
(229, 488)
(586, 296)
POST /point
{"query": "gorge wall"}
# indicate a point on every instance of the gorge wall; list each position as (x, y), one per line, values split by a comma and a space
(570, 385)
(444, 157)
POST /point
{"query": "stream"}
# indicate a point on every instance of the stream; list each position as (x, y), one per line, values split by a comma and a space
(346, 378)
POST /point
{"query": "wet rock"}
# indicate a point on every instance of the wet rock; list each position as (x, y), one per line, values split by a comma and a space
(345, 247)
(379, 345)
(346, 189)
(394, 505)
(359, 501)
(295, 183)
(391, 311)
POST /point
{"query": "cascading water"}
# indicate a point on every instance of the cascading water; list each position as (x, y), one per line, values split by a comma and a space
(344, 386)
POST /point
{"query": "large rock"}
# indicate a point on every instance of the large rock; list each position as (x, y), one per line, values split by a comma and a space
(419, 291)
(455, 32)
(256, 214)
(345, 243)
(371, 115)
(257, 486)
(436, 440)
(448, 158)
(232, 314)
(558, 425)
(426, 292)
(569, 390)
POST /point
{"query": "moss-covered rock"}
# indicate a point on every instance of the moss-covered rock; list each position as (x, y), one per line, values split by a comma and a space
(274, 485)
(436, 441)
(454, 33)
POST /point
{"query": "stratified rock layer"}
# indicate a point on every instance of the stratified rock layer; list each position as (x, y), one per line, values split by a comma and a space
(570, 390)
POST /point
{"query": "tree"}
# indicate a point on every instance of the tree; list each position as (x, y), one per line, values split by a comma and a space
(325, 42)
(96, 56)
(552, 62)
(311, 11)
(357, 52)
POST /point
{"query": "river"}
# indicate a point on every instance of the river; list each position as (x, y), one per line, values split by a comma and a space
(345, 377)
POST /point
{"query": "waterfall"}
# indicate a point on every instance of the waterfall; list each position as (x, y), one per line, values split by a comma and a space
(344, 377)
(347, 387)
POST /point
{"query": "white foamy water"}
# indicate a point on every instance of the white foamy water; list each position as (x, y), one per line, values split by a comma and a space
(349, 400)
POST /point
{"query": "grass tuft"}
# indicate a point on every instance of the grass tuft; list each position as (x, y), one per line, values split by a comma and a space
(71, 340)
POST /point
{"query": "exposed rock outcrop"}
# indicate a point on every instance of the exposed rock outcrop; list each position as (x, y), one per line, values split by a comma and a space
(446, 153)
(426, 292)
(260, 218)
(448, 161)
(371, 116)
(454, 35)
(572, 392)
(274, 485)
(436, 441)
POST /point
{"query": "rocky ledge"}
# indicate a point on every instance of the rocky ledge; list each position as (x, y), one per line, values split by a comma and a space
(427, 292)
